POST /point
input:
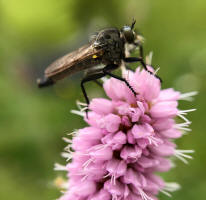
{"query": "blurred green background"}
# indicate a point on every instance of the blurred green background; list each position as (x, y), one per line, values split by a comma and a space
(33, 121)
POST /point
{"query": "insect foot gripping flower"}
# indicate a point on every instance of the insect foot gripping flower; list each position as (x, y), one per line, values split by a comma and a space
(127, 141)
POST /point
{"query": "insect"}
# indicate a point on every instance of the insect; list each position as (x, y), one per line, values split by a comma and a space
(106, 47)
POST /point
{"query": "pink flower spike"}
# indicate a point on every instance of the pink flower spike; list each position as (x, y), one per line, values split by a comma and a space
(128, 140)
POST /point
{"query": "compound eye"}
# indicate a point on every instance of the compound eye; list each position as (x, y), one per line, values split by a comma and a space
(107, 36)
(127, 28)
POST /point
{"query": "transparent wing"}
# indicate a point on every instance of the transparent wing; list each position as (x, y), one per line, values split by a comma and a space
(72, 59)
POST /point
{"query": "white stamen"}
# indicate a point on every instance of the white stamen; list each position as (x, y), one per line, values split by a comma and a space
(185, 151)
(149, 58)
(183, 126)
(67, 140)
(123, 69)
(74, 133)
(81, 103)
(183, 117)
(83, 109)
(157, 70)
(166, 193)
(153, 140)
(81, 106)
(171, 187)
(88, 162)
(106, 175)
(181, 114)
(84, 177)
(68, 148)
(66, 155)
(77, 112)
(113, 179)
(184, 112)
(59, 167)
(181, 154)
(126, 75)
(188, 96)
(184, 129)
(144, 195)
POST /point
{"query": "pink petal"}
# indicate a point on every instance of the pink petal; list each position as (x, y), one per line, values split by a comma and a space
(91, 133)
(164, 109)
(163, 150)
(168, 95)
(104, 153)
(130, 137)
(164, 165)
(171, 133)
(146, 85)
(130, 154)
(142, 131)
(110, 122)
(101, 195)
(119, 138)
(126, 121)
(101, 106)
(85, 188)
(147, 162)
(118, 90)
(114, 189)
(163, 124)
(142, 142)
(131, 177)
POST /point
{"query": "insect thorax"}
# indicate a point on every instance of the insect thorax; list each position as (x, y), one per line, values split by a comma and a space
(112, 44)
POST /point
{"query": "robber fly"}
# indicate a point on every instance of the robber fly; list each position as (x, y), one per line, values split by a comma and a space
(107, 47)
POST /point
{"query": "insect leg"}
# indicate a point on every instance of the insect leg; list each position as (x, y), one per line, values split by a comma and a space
(134, 59)
(141, 51)
(87, 78)
(112, 67)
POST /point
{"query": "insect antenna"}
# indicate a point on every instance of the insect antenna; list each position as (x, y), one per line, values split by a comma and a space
(133, 23)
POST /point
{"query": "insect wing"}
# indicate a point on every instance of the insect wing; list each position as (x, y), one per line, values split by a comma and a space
(72, 60)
